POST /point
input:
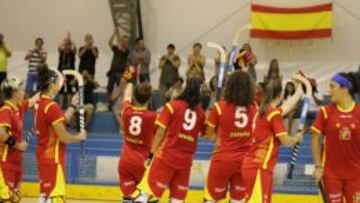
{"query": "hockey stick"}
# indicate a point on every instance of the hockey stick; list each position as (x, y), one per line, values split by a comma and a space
(80, 81)
(304, 111)
(235, 46)
(30, 135)
(222, 67)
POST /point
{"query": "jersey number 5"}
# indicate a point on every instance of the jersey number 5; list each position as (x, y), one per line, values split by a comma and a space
(241, 118)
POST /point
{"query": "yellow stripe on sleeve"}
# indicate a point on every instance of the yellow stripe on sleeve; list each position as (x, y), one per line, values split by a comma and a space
(168, 105)
(272, 114)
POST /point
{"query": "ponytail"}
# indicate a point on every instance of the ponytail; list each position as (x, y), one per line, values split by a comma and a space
(191, 94)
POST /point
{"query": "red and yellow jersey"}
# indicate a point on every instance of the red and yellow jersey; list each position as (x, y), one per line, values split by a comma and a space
(49, 148)
(182, 126)
(11, 117)
(264, 150)
(233, 126)
(139, 128)
(341, 149)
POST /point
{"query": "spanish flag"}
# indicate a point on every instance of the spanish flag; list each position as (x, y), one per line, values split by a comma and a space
(291, 23)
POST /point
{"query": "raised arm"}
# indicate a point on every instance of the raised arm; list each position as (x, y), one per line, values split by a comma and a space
(291, 103)
(128, 92)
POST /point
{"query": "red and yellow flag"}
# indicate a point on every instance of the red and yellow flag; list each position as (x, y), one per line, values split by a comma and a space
(291, 23)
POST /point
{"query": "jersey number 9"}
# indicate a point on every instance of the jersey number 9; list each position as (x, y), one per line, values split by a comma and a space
(189, 120)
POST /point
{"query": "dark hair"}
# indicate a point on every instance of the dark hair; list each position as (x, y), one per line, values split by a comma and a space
(179, 79)
(239, 89)
(354, 78)
(272, 90)
(142, 93)
(211, 85)
(286, 92)
(191, 93)
(170, 46)
(7, 92)
(271, 68)
(137, 40)
(45, 77)
(9, 86)
(39, 39)
(197, 44)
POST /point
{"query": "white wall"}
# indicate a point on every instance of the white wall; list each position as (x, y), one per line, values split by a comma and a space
(179, 22)
(182, 21)
(23, 21)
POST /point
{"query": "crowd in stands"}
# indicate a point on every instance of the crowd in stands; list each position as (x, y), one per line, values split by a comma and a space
(133, 65)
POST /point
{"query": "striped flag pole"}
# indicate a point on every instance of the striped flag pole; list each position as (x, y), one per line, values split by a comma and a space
(235, 46)
(222, 66)
(80, 81)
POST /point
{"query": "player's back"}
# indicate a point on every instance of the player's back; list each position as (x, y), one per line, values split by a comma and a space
(233, 130)
(47, 114)
(183, 126)
(265, 140)
(139, 129)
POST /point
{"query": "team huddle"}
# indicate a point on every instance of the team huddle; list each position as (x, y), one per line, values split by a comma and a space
(159, 148)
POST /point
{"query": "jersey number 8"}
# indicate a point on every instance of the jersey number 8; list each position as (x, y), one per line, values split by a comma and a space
(135, 125)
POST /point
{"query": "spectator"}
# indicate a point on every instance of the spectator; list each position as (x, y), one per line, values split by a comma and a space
(67, 57)
(169, 65)
(196, 60)
(259, 92)
(36, 57)
(213, 90)
(116, 99)
(195, 71)
(88, 55)
(205, 95)
(252, 61)
(5, 53)
(175, 90)
(141, 56)
(120, 54)
(89, 102)
(273, 72)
